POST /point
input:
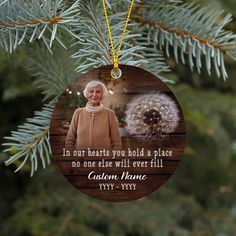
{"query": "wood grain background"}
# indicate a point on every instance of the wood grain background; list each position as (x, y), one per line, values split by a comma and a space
(134, 81)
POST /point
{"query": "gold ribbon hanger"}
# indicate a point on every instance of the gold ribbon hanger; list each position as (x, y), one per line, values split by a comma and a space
(116, 72)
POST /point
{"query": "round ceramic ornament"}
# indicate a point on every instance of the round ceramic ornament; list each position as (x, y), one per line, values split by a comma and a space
(124, 147)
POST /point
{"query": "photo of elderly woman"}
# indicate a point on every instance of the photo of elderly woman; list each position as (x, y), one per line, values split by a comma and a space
(93, 126)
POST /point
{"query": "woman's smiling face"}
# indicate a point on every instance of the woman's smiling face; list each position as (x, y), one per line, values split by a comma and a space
(95, 95)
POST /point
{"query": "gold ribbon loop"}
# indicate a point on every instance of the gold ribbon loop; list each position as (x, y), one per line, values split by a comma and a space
(116, 55)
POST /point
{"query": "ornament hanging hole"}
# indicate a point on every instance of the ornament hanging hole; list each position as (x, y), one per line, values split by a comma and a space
(116, 74)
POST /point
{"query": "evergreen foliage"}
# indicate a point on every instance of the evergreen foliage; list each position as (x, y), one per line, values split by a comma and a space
(31, 141)
(53, 72)
(95, 46)
(192, 30)
(157, 28)
(22, 21)
(199, 199)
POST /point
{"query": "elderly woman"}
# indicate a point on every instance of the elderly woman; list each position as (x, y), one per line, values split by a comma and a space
(94, 126)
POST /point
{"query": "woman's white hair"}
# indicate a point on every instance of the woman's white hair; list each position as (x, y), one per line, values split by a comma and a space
(93, 84)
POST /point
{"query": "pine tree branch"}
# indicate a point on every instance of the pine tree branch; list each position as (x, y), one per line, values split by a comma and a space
(155, 61)
(31, 141)
(95, 50)
(180, 33)
(188, 29)
(53, 72)
(22, 21)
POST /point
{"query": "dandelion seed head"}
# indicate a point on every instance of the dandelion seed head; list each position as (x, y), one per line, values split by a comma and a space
(147, 116)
